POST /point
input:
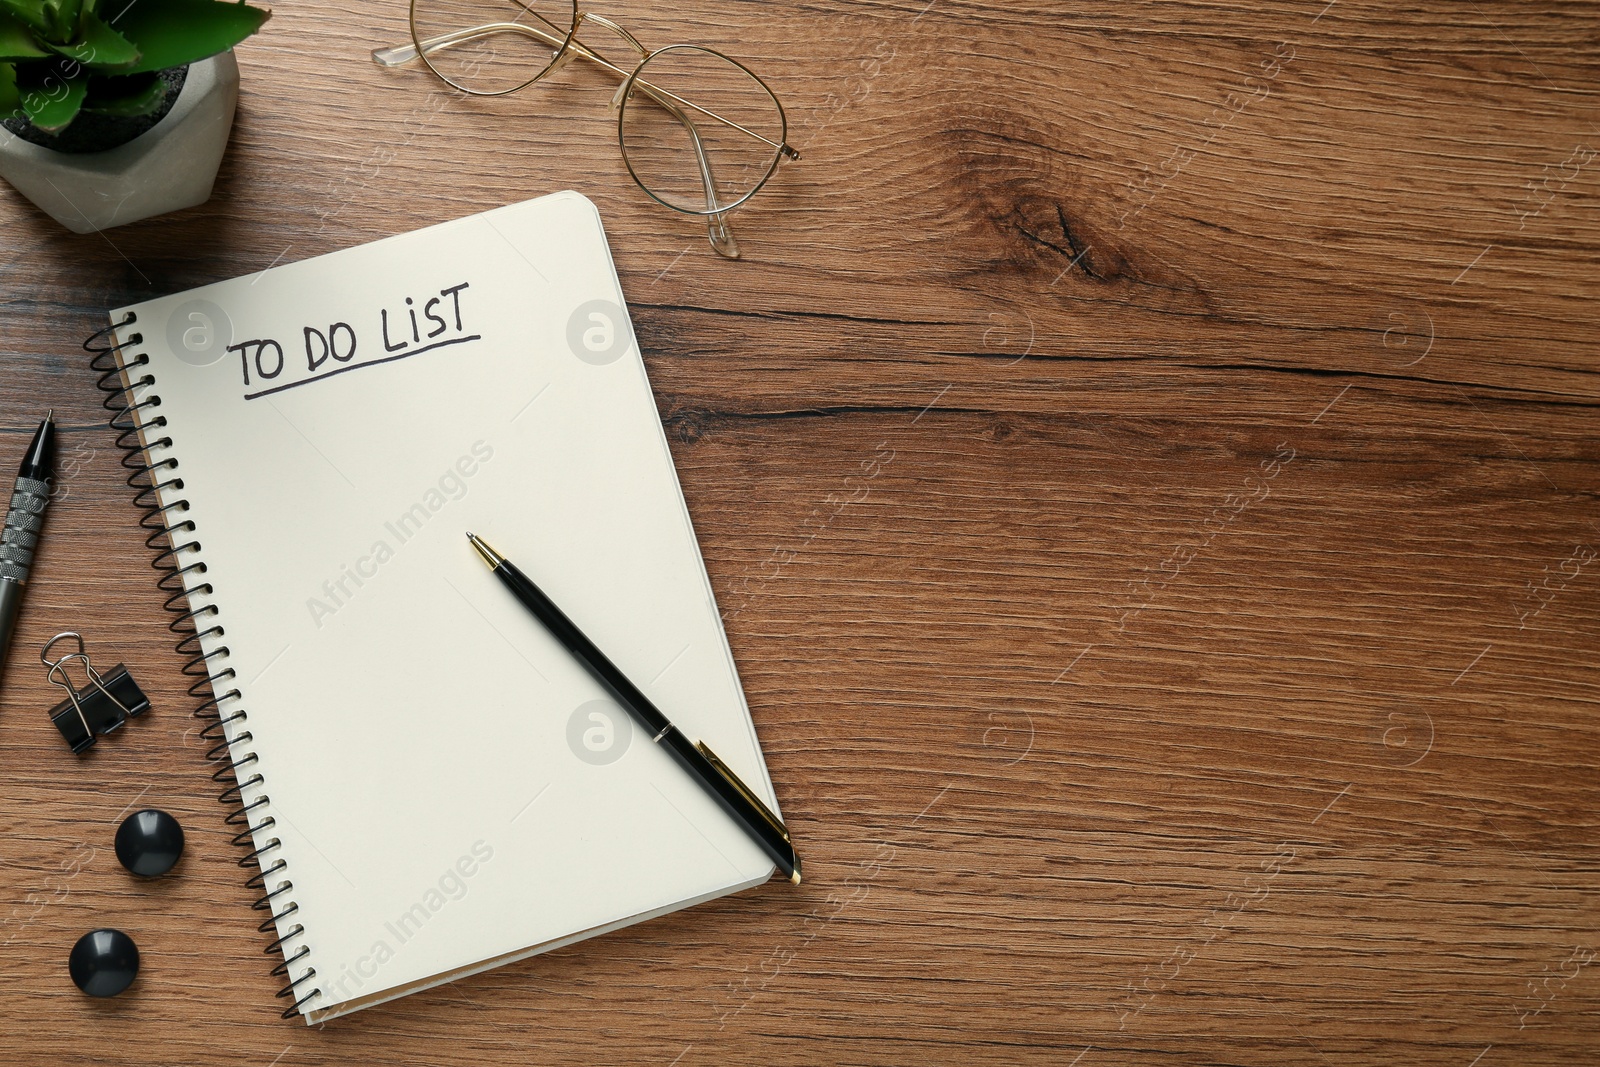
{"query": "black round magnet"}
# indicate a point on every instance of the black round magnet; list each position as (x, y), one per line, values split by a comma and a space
(104, 962)
(149, 843)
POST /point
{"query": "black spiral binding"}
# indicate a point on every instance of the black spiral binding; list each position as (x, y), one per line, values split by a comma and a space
(145, 474)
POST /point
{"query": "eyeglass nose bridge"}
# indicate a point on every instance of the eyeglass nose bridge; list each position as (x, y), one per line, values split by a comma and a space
(576, 47)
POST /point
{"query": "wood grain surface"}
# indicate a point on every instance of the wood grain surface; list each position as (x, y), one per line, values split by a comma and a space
(1148, 462)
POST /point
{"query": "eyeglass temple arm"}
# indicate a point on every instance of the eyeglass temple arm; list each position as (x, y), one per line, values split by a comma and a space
(399, 54)
(718, 232)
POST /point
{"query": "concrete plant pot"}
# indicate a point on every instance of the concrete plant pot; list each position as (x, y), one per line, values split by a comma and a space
(170, 167)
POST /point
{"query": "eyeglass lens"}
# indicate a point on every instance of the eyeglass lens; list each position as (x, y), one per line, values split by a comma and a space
(491, 46)
(681, 130)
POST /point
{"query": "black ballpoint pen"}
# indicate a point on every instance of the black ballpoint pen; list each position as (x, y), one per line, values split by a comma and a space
(714, 776)
(24, 519)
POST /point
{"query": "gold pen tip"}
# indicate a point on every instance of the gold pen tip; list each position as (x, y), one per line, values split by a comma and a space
(794, 877)
(490, 556)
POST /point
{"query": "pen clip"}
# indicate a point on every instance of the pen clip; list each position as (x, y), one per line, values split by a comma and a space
(744, 790)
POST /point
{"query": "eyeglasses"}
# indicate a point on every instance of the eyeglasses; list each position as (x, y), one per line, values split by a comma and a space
(699, 131)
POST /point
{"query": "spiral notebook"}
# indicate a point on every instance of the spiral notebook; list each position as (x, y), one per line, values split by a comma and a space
(431, 785)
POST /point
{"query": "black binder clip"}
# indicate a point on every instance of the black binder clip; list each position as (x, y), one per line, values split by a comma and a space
(102, 705)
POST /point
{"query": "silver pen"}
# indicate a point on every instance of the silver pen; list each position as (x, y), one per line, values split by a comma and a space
(24, 520)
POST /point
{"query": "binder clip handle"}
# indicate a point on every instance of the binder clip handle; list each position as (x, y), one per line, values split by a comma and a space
(100, 706)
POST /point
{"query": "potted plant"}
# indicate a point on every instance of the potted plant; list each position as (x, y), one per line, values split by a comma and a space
(113, 111)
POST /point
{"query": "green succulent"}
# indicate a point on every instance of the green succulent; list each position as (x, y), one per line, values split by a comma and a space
(61, 58)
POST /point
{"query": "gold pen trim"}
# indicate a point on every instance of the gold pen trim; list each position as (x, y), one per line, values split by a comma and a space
(744, 791)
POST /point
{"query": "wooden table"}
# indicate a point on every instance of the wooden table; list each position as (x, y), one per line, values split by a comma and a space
(1147, 459)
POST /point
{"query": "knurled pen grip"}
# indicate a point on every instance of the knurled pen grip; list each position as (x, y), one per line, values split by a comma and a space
(24, 520)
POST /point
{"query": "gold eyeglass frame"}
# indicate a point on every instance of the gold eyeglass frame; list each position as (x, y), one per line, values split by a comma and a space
(567, 45)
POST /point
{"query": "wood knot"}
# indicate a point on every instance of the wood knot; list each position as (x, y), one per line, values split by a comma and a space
(687, 425)
(1031, 213)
